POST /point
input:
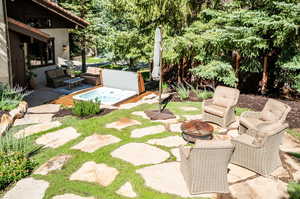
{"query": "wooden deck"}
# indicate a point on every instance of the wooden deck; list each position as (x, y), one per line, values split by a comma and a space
(67, 100)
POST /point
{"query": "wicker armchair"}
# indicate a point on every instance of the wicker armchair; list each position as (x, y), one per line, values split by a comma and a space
(259, 151)
(204, 167)
(273, 113)
(220, 109)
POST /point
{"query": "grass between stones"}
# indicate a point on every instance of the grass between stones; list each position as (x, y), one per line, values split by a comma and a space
(59, 180)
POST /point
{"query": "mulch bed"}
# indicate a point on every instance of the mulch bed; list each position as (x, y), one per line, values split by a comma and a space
(68, 112)
(257, 103)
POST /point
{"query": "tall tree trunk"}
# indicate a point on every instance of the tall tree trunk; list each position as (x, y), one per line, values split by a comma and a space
(83, 54)
(265, 78)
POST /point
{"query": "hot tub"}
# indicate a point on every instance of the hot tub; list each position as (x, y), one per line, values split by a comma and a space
(107, 96)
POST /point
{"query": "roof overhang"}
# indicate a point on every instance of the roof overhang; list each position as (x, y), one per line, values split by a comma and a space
(27, 30)
(53, 7)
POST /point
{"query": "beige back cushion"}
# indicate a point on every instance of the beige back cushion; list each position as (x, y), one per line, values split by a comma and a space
(93, 70)
(274, 111)
(225, 96)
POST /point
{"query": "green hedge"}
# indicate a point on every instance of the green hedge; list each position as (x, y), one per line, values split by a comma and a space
(86, 108)
(13, 167)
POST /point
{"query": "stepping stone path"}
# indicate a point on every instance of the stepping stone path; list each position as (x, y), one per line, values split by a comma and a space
(94, 142)
(237, 173)
(58, 138)
(141, 114)
(140, 154)
(53, 164)
(33, 129)
(128, 105)
(71, 196)
(127, 191)
(259, 188)
(289, 144)
(193, 117)
(167, 178)
(46, 108)
(176, 153)
(98, 173)
(138, 133)
(189, 108)
(172, 141)
(28, 188)
(123, 123)
(176, 128)
(34, 119)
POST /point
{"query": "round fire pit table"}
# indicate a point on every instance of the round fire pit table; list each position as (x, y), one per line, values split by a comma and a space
(197, 129)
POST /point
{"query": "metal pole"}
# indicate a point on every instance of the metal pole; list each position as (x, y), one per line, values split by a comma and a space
(161, 71)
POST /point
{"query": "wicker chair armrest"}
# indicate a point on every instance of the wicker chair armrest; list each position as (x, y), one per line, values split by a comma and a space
(208, 102)
(250, 114)
(245, 139)
(271, 129)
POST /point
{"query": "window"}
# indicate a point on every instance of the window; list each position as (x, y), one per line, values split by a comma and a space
(41, 54)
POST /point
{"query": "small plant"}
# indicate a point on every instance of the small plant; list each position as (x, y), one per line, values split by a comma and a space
(202, 94)
(183, 92)
(294, 190)
(86, 108)
(9, 144)
(10, 97)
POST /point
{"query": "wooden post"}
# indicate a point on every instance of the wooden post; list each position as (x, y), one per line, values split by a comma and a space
(265, 75)
(83, 55)
(161, 71)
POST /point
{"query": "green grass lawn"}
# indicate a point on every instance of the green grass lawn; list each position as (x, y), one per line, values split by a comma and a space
(92, 60)
(59, 183)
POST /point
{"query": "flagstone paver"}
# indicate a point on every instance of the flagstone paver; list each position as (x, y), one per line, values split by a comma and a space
(94, 142)
(28, 188)
(128, 105)
(237, 173)
(127, 190)
(176, 153)
(98, 173)
(289, 144)
(45, 108)
(58, 138)
(296, 176)
(193, 117)
(34, 119)
(281, 173)
(169, 121)
(167, 178)
(33, 129)
(137, 133)
(176, 128)
(53, 164)
(141, 114)
(189, 108)
(71, 196)
(123, 123)
(171, 141)
(140, 154)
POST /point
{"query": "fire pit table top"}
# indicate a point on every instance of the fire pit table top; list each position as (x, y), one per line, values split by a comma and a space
(197, 129)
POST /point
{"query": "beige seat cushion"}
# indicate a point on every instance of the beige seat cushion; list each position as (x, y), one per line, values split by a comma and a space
(250, 122)
(215, 110)
(93, 70)
(225, 96)
(273, 111)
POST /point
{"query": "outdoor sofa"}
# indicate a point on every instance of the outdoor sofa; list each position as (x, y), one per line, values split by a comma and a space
(92, 76)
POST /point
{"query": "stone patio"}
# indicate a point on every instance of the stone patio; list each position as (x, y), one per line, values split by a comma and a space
(58, 138)
(94, 142)
(97, 173)
(140, 154)
(123, 123)
(33, 129)
(53, 164)
(137, 133)
(127, 191)
(172, 141)
(34, 119)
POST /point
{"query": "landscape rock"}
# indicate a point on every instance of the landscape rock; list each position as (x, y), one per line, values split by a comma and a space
(45, 108)
(193, 117)
(5, 123)
(33, 129)
(296, 176)
(137, 133)
(94, 142)
(127, 191)
(28, 188)
(237, 173)
(98, 173)
(123, 123)
(140, 154)
(34, 119)
(171, 141)
(53, 164)
(167, 178)
(71, 196)
(58, 138)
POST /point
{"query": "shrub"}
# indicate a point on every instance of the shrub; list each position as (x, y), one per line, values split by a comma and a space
(294, 190)
(86, 108)
(13, 167)
(183, 92)
(9, 144)
(10, 97)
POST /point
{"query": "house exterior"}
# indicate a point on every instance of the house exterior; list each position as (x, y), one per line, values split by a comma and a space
(34, 36)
